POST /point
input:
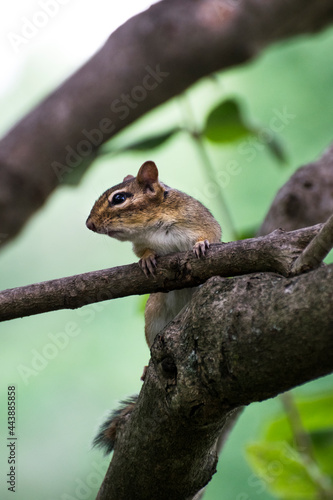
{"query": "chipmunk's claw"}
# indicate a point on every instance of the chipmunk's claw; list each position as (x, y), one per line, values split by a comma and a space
(200, 248)
(148, 264)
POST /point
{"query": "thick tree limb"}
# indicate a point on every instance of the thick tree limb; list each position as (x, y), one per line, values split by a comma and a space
(151, 58)
(305, 199)
(250, 352)
(275, 252)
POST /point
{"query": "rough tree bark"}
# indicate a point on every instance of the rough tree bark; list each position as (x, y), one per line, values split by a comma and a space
(161, 52)
(249, 351)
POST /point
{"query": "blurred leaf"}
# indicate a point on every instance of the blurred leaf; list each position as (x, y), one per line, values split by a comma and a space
(316, 414)
(153, 142)
(247, 233)
(283, 470)
(225, 123)
(142, 145)
(323, 450)
(142, 303)
(317, 419)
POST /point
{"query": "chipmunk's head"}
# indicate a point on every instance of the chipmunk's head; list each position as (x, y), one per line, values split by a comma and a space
(129, 208)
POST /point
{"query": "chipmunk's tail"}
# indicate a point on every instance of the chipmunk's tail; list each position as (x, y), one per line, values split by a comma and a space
(107, 434)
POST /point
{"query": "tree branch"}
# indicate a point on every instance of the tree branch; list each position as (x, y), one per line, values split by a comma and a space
(305, 199)
(275, 252)
(250, 352)
(316, 251)
(151, 58)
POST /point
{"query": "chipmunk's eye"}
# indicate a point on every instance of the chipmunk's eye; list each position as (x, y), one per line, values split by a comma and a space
(118, 198)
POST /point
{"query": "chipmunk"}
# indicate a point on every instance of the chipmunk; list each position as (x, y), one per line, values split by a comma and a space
(157, 220)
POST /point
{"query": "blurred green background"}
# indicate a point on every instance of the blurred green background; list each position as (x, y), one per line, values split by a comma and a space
(66, 386)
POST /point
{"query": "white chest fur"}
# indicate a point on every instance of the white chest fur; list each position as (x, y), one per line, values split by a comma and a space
(166, 240)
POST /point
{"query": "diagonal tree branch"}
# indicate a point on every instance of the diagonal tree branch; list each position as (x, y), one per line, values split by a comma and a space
(316, 251)
(275, 252)
(151, 58)
(250, 352)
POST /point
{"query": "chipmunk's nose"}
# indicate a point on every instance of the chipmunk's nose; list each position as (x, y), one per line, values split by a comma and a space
(90, 225)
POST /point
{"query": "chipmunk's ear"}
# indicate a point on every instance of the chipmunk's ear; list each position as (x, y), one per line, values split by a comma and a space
(128, 178)
(147, 175)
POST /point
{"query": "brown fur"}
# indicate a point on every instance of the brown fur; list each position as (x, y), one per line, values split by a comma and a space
(157, 220)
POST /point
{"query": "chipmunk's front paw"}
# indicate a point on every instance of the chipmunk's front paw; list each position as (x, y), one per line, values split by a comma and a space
(200, 248)
(148, 263)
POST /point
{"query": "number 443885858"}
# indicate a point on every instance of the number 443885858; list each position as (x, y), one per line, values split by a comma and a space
(11, 410)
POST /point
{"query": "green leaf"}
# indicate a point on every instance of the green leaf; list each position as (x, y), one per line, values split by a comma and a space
(142, 145)
(316, 415)
(323, 450)
(317, 419)
(282, 470)
(317, 412)
(153, 142)
(247, 233)
(225, 123)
